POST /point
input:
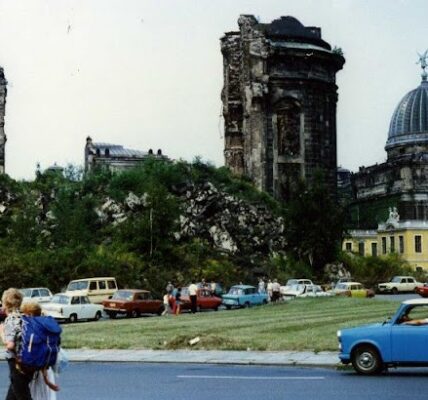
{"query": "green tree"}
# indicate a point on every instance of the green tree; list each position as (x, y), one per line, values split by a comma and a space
(313, 225)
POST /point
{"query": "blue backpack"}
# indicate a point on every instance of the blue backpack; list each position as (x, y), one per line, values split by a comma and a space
(39, 342)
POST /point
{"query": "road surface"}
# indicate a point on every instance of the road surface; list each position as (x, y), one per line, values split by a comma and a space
(105, 381)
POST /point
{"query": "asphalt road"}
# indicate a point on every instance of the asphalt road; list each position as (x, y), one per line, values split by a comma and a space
(96, 381)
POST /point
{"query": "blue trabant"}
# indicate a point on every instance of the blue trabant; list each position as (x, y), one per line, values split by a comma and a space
(243, 296)
(399, 341)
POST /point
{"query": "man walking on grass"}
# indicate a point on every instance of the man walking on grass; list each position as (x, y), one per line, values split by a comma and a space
(193, 292)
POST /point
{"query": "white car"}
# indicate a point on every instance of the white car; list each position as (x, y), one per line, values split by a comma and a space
(72, 308)
(308, 290)
(36, 295)
(294, 282)
(399, 284)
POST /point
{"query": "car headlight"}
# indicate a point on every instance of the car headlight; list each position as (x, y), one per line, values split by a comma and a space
(339, 334)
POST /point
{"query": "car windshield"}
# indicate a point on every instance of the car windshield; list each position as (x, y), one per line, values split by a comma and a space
(26, 292)
(122, 295)
(396, 279)
(60, 299)
(184, 291)
(79, 285)
(235, 291)
(292, 282)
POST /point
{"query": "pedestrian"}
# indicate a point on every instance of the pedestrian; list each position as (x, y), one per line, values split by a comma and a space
(269, 290)
(178, 301)
(19, 387)
(43, 386)
(166, 306)
(169, 288)
(193, 294)
(276, 290)
(261, 286)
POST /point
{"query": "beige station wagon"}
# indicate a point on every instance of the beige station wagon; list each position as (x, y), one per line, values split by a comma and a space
(97, 289)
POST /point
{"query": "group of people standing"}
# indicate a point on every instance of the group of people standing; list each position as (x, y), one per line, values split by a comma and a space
(272, 288)
(25, 383)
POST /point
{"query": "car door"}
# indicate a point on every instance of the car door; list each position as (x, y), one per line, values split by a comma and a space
(45, 295)
(409, 343)
(75, 307)
(87, 309)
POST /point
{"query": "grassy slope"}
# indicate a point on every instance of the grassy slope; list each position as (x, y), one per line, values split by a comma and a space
(304, 324)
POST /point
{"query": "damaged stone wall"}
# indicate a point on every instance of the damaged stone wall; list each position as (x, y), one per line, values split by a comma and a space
(3, 93)
(279, 103)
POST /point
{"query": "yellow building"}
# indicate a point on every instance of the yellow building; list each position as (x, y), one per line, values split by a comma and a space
(407, 238)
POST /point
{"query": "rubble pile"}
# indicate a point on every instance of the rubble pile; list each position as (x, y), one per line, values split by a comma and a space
(230, 224)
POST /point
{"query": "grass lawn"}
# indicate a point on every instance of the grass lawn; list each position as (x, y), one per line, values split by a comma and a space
(302, 324)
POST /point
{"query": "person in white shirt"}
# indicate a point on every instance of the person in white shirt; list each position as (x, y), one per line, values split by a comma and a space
(269, 290)
(193, 294)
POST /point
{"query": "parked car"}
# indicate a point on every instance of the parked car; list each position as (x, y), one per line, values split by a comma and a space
(399, 284)
(352, 289)
(343, 280)
(72, 308)
(422, 290)
(293, 282)
(97, 289)
(244, 296)
(36, 295)
(205, 300)
(305, 291)
(133, 303)
(372, 348)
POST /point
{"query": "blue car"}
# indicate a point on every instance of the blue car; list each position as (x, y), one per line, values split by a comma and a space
(399, 341)
(243, 296)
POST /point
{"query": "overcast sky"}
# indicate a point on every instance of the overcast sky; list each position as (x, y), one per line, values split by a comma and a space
(148, 74)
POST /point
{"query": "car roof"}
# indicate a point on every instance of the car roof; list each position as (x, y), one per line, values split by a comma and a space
(32, 288)
(416, 301)
(93, 279)
(243, 286)
(134, 290)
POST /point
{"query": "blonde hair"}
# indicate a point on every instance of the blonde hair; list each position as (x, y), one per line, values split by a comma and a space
(11, 299)
(31, 309)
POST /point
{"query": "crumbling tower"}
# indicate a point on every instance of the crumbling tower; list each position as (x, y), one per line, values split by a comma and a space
(3, 93)
(279, 103)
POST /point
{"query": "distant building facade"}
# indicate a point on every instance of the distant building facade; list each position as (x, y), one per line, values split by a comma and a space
(3, 94)
(279, 103)
(389, 211)
(115, 157)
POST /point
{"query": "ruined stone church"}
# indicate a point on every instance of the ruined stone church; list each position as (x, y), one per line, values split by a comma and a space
(279, 103)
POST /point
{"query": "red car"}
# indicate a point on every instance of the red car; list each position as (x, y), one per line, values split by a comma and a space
(205, 300)
(133, 303)
(422, 290)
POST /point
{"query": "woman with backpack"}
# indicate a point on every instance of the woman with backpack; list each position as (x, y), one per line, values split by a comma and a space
(43, 386)
(9, 331)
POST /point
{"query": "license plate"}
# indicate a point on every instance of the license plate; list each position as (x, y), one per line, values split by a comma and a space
(112, 304)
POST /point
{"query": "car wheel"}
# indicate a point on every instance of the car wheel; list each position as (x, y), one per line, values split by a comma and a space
(134, 314)
(394, 290)
(215, 308)
(366, 360)
(228, 307)
(264, 302)
(112, 314)
(97, 316)
(247, 305)
(73, 318)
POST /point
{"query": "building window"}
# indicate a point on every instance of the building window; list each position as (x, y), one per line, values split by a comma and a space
(374, 249)
(418, 244)
(361, 248)
(392, 244)
(383, 245)
(348, 246)
(401, 244)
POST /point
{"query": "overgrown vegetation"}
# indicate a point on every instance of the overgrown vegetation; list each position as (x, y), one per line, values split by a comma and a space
(50, 231)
